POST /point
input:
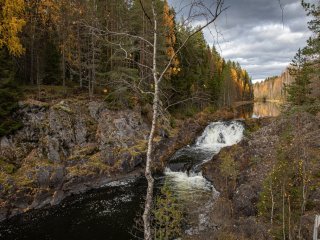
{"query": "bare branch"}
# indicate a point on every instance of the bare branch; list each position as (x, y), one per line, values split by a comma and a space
(145, 13)
(217, 13)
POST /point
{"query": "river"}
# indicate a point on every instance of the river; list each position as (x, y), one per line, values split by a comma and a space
(111, 212)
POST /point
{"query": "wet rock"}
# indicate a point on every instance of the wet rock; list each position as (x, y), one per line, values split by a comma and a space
(41, 199)
(3, 213)
(221, 138)
(57, 177)
(57, 197)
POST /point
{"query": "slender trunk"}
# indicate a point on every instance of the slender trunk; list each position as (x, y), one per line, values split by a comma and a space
(79, 59)
(32, 53)
(283, 214)
(63, 68)
(304, 179)
(93, 70)
(272, 203)
(289, 219)
(38, 77)
(148, 173)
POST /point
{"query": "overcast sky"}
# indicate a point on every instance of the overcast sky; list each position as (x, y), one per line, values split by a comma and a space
(252, 33)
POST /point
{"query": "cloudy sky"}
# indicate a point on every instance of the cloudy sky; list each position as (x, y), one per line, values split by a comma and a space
(252, 32)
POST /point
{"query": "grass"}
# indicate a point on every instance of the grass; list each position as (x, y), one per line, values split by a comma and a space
(6, 167)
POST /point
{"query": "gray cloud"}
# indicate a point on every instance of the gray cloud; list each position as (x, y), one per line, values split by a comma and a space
(252, 32)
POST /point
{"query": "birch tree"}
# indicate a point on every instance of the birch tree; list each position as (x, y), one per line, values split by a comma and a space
(158, 75)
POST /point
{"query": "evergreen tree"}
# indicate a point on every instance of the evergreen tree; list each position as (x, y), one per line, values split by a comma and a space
(52, 69)
(299, 90)
(9, 95)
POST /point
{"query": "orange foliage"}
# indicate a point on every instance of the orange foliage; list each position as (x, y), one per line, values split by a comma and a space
(11, 24)
(168, 21)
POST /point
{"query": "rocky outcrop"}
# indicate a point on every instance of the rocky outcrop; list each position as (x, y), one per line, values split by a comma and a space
(273, 88)
(256, 157)
(64, 148)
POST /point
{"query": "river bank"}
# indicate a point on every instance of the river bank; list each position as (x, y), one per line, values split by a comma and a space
(272, 149)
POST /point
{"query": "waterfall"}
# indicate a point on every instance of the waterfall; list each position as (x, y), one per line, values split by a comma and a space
(219, 135)
(183, 171)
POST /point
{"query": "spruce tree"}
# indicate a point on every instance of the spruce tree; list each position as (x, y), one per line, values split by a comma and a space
(9, 95)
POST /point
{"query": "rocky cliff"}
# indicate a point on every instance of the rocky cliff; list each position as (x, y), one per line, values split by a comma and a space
(65, 148)
(272, 88)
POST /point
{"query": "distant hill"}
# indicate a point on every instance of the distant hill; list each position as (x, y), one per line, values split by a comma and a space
(272, 88)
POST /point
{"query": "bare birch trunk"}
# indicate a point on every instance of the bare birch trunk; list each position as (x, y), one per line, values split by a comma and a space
(148, 170)
(283, 213)
(272, 203)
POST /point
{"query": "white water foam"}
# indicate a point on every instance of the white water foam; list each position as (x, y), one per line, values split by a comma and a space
(186, 182)
(218, 135)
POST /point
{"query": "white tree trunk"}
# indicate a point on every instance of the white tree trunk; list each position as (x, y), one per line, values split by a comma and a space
(148, 170)
(316, 227)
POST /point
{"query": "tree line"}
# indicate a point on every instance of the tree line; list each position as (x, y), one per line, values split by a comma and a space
(77, 43)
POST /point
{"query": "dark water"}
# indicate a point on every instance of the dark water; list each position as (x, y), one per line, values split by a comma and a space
(107, 213)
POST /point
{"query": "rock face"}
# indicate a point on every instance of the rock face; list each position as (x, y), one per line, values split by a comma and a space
(273, 88)
(66, 148)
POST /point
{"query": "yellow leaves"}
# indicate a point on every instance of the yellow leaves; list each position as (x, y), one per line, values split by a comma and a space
(49, 11)
(11, 24)
(170, 37)
(234, 74)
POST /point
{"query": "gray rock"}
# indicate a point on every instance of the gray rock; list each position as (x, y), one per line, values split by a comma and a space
(57, 177)
(53, 150)
(59, 148)
(244, 200)
(57, 197)
(43, 177)
(4, 143)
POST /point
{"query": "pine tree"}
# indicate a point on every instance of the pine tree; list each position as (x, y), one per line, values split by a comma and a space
(9, 95)
(52, 69)
(299, 90)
